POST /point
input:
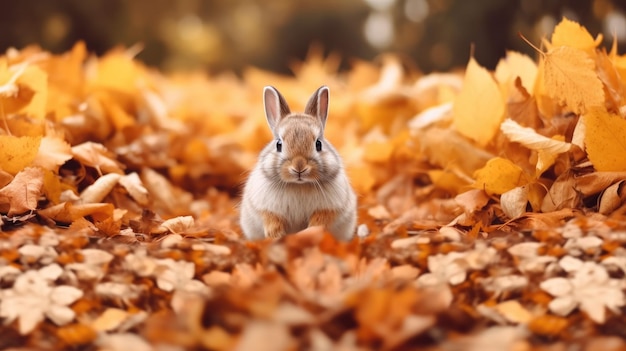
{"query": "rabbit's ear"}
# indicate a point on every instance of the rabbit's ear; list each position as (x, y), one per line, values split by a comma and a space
(276, 107)
(318, 104)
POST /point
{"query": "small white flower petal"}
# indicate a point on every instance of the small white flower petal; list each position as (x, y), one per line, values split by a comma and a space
(570, 264)
(618, 261)
(65, 295)
(32, 251)
(51, 272)
(528, 249)
(563, 306)
(594, 308)
(29, 319)
(60, 315)
(557, 286)
(95, 256)
(457, 278)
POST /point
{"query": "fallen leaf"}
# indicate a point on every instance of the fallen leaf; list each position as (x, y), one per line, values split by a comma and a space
(570, 78)
(499, 176)
(605, 140)
(22, 194)
(571, 34)
(17, 152)
(479, 108)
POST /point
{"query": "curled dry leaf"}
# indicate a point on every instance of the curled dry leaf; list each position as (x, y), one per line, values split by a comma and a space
(132, 183)
(97, 191)
(97, 156)
(176, 225)
(514, 201)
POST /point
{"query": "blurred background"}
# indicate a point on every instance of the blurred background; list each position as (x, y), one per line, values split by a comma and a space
(435, 35)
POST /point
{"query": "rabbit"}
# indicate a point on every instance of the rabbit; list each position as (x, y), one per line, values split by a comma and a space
(299, 179)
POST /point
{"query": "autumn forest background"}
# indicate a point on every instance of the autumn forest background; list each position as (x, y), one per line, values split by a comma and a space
(486, 142)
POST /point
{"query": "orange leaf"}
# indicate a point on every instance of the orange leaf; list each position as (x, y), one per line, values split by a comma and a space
(17, 152)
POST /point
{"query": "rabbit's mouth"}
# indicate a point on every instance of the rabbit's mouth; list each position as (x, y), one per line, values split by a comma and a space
(298, 175)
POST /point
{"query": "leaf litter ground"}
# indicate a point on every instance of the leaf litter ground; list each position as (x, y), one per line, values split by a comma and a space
(491, 208)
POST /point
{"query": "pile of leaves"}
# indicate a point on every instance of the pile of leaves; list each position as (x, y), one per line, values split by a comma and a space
(491, 206)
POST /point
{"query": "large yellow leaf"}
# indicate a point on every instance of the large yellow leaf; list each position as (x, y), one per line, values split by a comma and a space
(17, 152)
(570, 78)
(572, 34)
(516, 65)
(499, 176)
(23, 89)
(479, 108)
(605, 140)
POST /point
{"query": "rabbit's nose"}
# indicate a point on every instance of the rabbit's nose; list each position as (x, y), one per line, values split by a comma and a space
(299, 164)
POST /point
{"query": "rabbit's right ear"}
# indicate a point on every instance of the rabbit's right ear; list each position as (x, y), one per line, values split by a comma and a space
(276, 107)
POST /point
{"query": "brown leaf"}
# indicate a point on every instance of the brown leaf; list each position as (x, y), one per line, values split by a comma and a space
(23, 193)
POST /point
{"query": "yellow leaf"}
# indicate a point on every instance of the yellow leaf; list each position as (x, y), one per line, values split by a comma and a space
(52, 186)
(119, 72)
(572, 34)
(516, 65)
(479, 108)
(499, 176)
(36, 80)
(23, 89)
(17, 152)
(571, 79)
(605, 140)
(378, 151)
(65, 81)
(447, 180)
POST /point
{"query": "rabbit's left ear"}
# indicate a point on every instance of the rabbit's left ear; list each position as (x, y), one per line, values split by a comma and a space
(318, 104)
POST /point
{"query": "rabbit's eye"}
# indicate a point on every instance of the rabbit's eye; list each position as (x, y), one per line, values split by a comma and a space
(279, 145)
(318, 145)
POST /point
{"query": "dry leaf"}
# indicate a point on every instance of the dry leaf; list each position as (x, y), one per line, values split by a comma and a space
(605, 140)
(97, 191)
(499, 176)
(570, 78)
(22, 194)
(17, 152)
(479, 108)
(571, 34)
